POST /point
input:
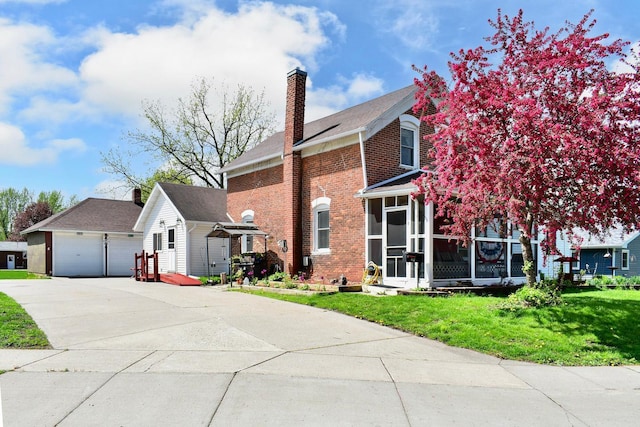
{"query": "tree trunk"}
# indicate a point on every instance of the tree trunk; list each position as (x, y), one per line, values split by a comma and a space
(527, 256)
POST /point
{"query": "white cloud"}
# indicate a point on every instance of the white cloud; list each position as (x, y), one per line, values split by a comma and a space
(350, 91)
(256, 46)
(24, 67)
(413, 23)
(16, 150)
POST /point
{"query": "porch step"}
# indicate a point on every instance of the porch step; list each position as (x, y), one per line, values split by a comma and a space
(380, 289)
(179, 279)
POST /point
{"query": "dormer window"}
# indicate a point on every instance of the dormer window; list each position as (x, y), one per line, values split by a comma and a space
(409, 142)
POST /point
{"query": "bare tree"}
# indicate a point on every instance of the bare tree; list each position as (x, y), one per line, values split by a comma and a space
(195, 140)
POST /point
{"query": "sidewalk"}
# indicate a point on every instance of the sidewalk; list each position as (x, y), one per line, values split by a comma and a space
(138, 354)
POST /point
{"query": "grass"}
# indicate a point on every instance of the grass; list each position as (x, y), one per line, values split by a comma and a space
(19, 275)
(592, 327)
(17, 328)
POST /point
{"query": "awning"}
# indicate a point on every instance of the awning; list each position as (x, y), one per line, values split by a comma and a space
(230, 229)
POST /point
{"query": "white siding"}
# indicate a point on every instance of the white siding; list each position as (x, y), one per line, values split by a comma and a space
(163, 210)
(198, 252)
(190, 242)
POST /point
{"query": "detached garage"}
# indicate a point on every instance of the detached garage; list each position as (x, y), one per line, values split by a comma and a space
(94, 238)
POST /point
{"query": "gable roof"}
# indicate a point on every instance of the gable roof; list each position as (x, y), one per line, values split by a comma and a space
(614, 237)
(192, 203)
(368, 117)
(197, 203)
(100, 215)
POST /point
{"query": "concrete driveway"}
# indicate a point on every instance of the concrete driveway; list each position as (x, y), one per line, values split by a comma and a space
(128, 353)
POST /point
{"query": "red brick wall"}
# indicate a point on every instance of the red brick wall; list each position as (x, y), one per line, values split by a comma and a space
(382, 152)
(262, 192)
(339, 173)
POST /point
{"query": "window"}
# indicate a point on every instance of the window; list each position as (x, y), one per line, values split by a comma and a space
(171, 239)
(409, 145)
(157, 242)
(321, 224)
(624, 263)
(247, 240)
(407, 149)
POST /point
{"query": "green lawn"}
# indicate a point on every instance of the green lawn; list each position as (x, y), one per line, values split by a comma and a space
(17, 328)
(592, 327)
(19, 274)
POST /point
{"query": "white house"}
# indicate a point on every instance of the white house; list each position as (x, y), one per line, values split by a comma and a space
(175, 222)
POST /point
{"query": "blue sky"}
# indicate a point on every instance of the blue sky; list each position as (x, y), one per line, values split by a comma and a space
(73, 73)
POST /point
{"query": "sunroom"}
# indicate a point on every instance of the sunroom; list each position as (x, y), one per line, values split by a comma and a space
(396, 223)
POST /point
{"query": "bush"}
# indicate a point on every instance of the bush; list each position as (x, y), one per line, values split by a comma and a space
(278, 276)
(542, 294)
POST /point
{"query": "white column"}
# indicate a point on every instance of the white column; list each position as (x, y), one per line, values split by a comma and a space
(428, 245)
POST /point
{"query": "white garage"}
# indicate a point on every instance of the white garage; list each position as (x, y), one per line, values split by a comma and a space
(84, 254)
(94, 238)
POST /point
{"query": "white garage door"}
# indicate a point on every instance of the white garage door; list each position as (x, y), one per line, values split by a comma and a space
(77, 254)
(121, 254)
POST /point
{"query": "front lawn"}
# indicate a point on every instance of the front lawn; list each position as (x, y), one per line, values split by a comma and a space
(19, 274)
(592, 327)
(17, 328)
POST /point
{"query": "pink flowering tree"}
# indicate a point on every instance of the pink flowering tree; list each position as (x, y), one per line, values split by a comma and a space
(537, 129)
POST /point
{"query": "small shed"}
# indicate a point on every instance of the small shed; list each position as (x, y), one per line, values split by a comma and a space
(13, 255)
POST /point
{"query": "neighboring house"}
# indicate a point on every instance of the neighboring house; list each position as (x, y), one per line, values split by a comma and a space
(13, 255)
(338, 191)
(91, 239)
(175, 222)
(615, 252)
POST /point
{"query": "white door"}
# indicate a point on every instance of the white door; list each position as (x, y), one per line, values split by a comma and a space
(171, 250)
(11, 262)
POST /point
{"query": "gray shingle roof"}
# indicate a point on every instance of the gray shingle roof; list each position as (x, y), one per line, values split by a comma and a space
(197, 203)
(369, 117)
(102, 215)
(614, 237)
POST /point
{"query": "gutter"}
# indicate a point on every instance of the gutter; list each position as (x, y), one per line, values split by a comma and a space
(364, 163)
(306, 145)
(249, 163)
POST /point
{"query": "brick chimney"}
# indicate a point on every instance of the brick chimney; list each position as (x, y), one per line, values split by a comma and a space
(136, 196)
(292, 164)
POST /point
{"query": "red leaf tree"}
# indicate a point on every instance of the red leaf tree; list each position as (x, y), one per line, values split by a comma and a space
(32, 214)
(546, 137)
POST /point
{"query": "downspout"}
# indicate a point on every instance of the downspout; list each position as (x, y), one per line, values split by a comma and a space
(187, 251)
(363, 160)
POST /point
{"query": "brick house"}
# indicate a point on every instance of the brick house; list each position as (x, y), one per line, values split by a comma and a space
(308, 184)
(338, 191)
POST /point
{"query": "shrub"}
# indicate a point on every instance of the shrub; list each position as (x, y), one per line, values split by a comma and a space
(542, 294)
(278, 276)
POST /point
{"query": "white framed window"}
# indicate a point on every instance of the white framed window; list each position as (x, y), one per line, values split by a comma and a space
(321, 225)
(624, 261)
(247, 240)
(409, 142)
(157, 242)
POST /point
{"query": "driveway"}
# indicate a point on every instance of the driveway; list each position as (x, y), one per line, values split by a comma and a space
(128, 353)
